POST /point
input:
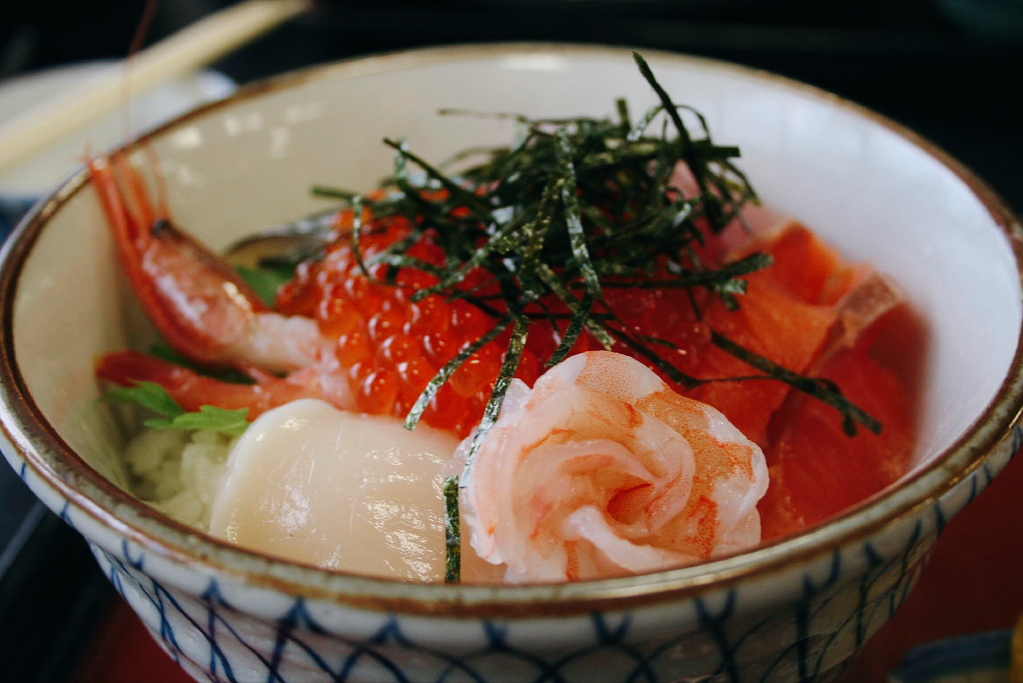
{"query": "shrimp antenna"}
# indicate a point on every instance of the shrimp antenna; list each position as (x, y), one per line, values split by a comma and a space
(141, 31)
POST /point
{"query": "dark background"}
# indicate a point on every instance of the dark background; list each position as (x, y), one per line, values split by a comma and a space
(950, 69)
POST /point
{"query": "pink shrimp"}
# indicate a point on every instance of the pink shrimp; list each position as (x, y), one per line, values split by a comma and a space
(205, 311)
(200, 305)
(601, 470)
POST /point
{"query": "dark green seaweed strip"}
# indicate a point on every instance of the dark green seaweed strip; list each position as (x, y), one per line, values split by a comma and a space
(823, 390)
(403, 261)
(356, 233)
(457, 275)
(536, 232)
(668, 107)
(622, 107)
(452, 532)
(644, 122)
(475, 204)
(434, 385)
(575, 327)
(451, 111)
(711, 202)
(703, 278)
(670, 371)
(550, 278)
(332, 193)
(516, 345)
(575, 204)
(576, 233)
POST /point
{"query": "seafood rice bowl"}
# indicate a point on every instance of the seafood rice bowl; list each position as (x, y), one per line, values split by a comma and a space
(609, 372)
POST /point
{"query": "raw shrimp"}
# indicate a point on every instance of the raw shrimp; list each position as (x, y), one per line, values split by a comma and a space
(601, 470)
(206, 312)
(200, 305)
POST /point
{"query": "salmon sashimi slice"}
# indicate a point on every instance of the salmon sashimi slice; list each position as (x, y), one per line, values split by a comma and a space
(816, 470)
(798, 312)
(816, 314)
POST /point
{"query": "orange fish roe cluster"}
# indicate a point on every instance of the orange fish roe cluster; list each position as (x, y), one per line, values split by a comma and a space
(392, 346)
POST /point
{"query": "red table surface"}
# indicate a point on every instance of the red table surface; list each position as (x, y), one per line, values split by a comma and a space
(972, 583)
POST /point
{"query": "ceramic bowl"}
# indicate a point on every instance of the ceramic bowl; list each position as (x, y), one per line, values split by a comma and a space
(792, 610)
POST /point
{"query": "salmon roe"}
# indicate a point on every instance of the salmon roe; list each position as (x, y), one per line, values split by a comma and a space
(393, 346)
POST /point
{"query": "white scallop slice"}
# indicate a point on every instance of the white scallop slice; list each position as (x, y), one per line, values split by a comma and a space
(339, 490)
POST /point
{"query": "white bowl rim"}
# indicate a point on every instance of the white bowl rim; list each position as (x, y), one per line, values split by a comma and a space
(52, 459)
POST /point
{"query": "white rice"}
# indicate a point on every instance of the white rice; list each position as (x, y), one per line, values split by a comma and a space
(177, 472)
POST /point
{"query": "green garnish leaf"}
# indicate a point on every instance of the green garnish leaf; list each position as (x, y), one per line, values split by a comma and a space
(265, 281)
(154, 397)
(209, 418)
(147, 394)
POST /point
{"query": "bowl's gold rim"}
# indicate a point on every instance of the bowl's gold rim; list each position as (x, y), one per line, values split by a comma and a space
(44, 450)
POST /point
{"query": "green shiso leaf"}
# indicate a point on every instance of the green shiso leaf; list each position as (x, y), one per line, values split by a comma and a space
(148, 395)
(155, 398)
(209, 419)
(265, 281)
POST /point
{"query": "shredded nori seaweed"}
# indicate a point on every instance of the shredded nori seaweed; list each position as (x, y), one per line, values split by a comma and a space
(575, 207)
